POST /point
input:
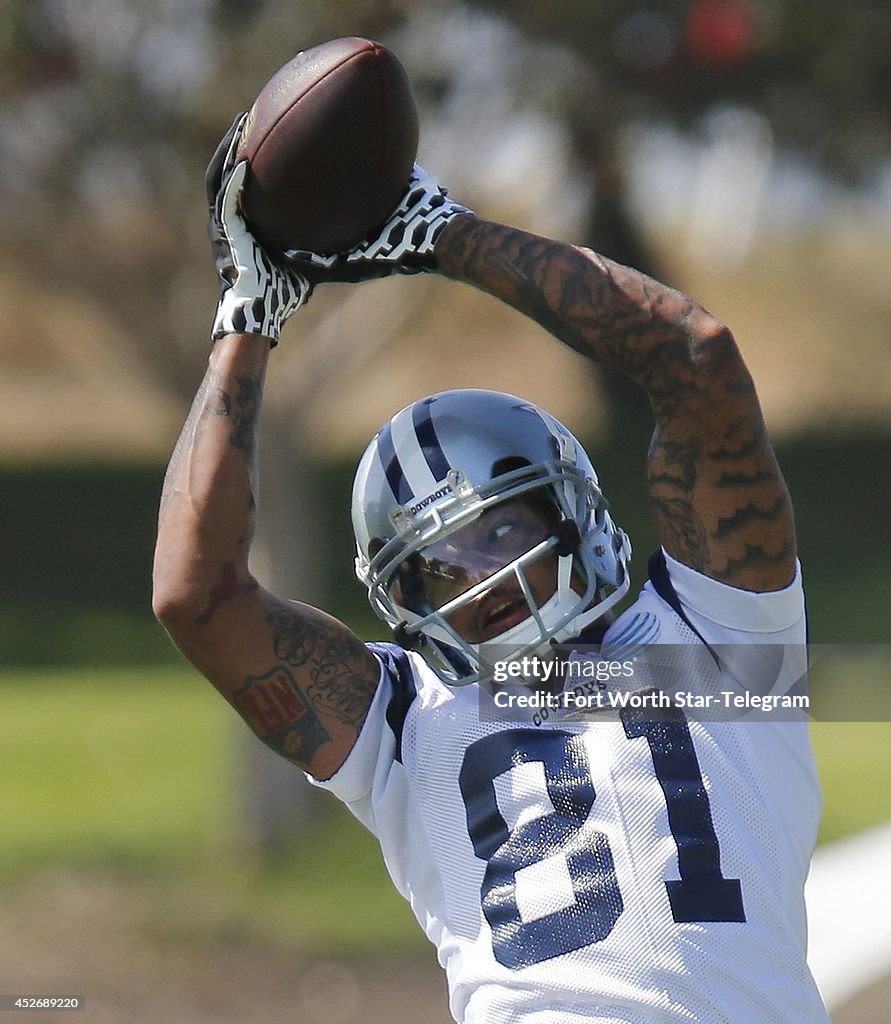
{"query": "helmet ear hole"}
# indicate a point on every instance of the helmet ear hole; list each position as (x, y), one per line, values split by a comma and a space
(544, 498)
(568, 537)
(508, 464)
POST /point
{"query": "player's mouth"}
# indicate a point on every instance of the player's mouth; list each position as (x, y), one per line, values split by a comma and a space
(499, 613)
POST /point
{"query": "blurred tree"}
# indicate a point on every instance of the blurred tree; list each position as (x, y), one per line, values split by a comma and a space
(818, 70)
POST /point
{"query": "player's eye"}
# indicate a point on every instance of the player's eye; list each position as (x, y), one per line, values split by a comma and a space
(500, 531)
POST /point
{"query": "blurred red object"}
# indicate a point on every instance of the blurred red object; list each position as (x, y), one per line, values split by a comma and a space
(720, 33)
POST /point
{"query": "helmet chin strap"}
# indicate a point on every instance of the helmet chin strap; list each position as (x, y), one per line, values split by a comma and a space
(584, 619)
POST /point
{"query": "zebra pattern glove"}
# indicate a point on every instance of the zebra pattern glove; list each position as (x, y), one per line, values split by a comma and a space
(258, 292)
(405, 244)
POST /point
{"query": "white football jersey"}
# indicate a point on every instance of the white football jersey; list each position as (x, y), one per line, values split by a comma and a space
(609, 870)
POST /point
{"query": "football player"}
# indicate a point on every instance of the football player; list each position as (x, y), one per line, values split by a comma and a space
(636, 868)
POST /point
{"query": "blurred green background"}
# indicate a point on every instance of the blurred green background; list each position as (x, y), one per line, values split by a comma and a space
(738, 149)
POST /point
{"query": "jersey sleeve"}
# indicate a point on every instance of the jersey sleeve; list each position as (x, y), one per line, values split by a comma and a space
(718, 611)
(759, 640)
(379, 743)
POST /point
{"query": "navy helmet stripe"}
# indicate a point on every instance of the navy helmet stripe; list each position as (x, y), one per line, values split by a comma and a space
(392, 467)
(426, 434)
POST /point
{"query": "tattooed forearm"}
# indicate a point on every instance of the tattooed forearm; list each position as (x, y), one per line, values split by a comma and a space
(744, 516)
(206, 399)
(719, 498)
(246, 406)
(672, 478)
(213, 400)
(755, 558)
(673, 463)
(725, 514)
(288, 677)
(338, 674)
(278, 711)
(612, 313)
(681, 530)
(219, 402)
(745, 479)
(242, 408)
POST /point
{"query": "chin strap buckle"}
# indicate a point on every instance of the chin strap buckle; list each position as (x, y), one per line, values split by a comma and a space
(568, 537)
(408, 641)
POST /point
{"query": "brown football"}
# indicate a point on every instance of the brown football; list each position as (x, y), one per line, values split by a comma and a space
(331, 141)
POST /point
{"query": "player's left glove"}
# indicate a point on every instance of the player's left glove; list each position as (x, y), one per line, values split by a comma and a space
(405, 244)
(258, 293)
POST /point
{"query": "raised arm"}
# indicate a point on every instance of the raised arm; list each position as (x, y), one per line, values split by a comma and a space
(300, 679)
(720, 501)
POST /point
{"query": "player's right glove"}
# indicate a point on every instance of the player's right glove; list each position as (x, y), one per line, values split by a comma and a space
(258, 293)
(404, 245)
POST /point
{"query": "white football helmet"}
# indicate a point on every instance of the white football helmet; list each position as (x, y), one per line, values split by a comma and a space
(437, 467)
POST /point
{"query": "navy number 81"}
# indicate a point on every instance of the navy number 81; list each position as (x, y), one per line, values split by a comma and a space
(700, 894)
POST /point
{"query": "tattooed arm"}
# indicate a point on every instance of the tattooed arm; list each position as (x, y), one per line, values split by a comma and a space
(300, 679)
(720, 501)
